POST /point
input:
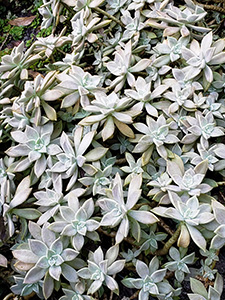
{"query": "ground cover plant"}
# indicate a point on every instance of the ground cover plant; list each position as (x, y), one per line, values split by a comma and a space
(112, 152)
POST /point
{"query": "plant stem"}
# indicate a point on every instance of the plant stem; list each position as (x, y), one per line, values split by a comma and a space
(121, 161)
(166, 227)
(134, 295)
(113, 234)
(214, 262)
(221, 183)
(101, 11)
(9, 296)
(170, 242)
(212, 7)
(68, 7)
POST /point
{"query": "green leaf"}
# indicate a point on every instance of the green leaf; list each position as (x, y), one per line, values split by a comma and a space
(96, 154)
(27, 213)
(198, 287)
(50, 111)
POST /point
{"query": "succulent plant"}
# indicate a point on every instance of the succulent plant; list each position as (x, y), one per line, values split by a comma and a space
(99, 182)
(189, 181)
(15, 65)
(200, 58)
(11, 204)
(23, 289)
(121, 67)
(200, 291)
(34, 143)
(150, 278)
(149, 240)
(75, 221)
(116, 211)
(219, 239)
(190, 214)
(110, 109)
(144, 94)
(179, 262)
(77, 85)
(101, 270)
(75, 291)
(35, 96)
(45, 256)
(73, 156)
(154, 133)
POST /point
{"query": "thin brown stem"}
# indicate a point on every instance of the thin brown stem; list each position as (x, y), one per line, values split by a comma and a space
(214, 262)
(134, 295)
(166, 227)
(121, 161)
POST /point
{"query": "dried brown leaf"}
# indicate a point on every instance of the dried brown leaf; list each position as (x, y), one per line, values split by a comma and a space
(23, 21)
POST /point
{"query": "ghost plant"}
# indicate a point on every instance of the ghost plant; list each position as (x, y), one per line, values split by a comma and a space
(75, 221)
(12, 208)
(155, 133)
(150, 238)
(121, 67)
(76, 86)
(25, 289)
(113, 111)
(15, 65)
(145, 96)
(50, 200)
(203, 127)
(169, 50)
(72, 155)
(116, 211)
(45, 256)
(100, 269)
(210, 154)
(219, 239)
(190, 214)
(150, 281)
(34, 145)
(179, 262)
(190, 180)
(49, 11)
(200, 58)
(200, 292)
(99, 181)
(35, 96)
(174, 19)
(134, 168)
(75, 291)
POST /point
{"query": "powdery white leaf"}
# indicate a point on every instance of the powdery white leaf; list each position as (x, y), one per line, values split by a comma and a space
(112, 284)
(197, 237)
(142, 269)
(112, 254)
(34, 275)
(116, 267)
(48, 286)
(144, 217)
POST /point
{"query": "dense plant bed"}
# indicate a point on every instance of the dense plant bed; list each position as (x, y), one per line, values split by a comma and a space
(112, 151)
